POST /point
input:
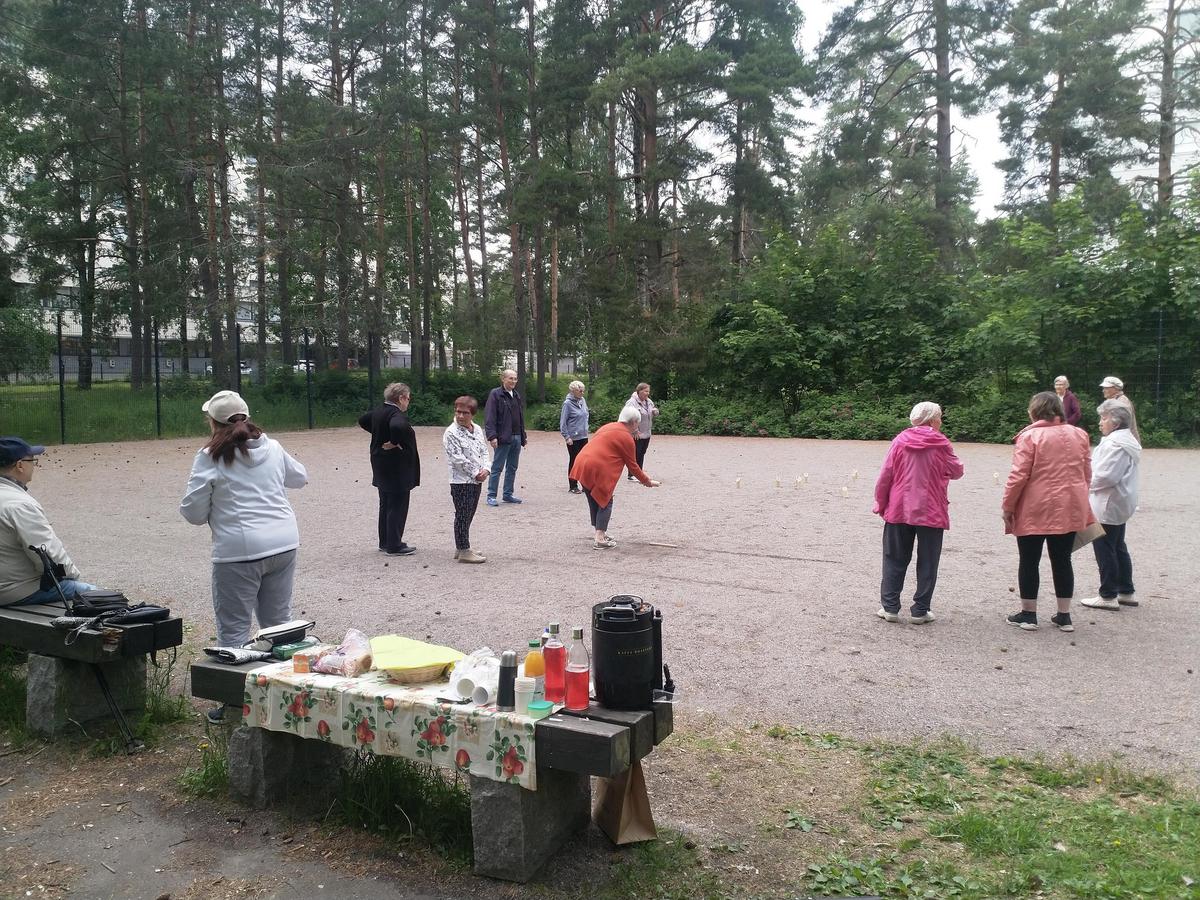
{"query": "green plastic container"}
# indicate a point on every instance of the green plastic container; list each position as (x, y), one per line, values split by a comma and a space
(539, 709)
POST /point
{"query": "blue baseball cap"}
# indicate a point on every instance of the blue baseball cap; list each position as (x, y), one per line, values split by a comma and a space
(13, 449)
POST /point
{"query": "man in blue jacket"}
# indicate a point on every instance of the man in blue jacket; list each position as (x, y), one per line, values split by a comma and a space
(504, 426)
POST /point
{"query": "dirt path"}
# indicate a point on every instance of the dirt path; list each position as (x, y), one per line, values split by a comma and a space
(769, 587)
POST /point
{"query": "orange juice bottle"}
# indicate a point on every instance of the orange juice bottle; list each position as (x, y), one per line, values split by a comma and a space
(535, 668)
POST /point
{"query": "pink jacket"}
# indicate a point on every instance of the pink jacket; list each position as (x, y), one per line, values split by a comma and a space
(1047, 489)
(911, 489)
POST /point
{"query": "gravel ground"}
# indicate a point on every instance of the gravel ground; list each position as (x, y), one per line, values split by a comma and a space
(769, 585)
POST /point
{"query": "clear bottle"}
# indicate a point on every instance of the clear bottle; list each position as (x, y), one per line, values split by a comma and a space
(535, 667)
(555, 655)
(579, 671)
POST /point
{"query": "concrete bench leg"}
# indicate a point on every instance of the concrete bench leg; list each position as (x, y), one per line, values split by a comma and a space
(516, 831)
(269, 767)
(61, 692)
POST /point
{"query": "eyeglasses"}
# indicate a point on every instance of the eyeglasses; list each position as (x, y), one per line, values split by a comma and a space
(32, 459)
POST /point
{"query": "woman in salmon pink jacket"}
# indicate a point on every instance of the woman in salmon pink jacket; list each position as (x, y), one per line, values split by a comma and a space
(910, 495)
(1045, 503)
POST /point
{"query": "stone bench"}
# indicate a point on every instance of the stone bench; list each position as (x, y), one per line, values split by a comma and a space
(515, 831)
(102, 672)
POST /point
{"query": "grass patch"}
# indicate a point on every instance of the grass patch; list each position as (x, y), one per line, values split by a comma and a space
(404, 800)
(210, 776)
(951, 822)
(12, 694)
(668, 868)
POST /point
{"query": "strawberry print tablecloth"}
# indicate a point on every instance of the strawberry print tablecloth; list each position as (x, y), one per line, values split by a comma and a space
(370, 712)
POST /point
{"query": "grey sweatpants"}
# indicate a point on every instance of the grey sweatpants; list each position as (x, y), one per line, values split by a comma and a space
(260, 588)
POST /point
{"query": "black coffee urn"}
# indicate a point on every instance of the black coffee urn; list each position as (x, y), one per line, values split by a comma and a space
(627, 663)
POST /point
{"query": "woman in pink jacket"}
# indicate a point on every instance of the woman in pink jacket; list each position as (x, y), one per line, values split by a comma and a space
(1046, 502)
(911, 497)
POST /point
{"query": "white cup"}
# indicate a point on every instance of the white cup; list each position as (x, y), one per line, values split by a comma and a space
(484, 695)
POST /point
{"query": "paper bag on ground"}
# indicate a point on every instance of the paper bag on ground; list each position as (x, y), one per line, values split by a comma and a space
(622, 808)
(1089, 534)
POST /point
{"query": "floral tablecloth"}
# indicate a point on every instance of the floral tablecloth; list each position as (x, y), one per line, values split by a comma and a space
(370, 712)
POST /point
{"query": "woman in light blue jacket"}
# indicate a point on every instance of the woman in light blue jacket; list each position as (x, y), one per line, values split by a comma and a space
(573, 426)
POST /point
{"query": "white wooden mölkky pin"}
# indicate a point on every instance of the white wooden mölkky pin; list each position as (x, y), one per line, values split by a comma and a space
(738, 482)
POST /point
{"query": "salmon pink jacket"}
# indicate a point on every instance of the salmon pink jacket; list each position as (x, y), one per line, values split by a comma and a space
(911, 489)
(1047, 488)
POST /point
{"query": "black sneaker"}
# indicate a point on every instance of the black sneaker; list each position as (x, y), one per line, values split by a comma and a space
(1026, 621)
(216, 715)
(1062, 621)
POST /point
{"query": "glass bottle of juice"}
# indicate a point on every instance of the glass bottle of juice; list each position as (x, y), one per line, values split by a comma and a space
(579, 671)
(555, 655)
(535, 668)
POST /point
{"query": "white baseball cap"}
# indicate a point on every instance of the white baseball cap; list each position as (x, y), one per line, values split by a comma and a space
(224, 405)
(1113, 381)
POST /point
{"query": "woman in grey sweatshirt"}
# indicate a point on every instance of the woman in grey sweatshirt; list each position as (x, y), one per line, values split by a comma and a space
(573, 426)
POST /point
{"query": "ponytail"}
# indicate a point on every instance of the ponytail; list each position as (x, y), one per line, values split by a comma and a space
(228, 440)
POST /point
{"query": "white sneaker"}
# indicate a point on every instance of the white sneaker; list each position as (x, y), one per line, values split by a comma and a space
(1100, 603)
(470, 556)
(1127, 600)
(922, 620)
(887, 616)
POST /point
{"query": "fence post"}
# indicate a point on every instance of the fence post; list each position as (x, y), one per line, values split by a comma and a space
(62, 384)
(157, 383)
(308, 378)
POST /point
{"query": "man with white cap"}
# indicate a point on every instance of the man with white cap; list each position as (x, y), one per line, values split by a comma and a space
(1113, 388)
(23, 524)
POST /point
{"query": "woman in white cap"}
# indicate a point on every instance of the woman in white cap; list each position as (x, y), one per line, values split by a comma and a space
(238, 488)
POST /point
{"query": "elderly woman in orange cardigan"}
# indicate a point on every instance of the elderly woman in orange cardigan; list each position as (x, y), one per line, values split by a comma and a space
(598, 468)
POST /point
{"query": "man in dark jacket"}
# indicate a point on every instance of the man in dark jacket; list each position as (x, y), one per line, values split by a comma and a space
(395, 465)
(504, 426)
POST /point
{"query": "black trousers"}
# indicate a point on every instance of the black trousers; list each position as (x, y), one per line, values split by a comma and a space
(1116, 568)
(466, 501)
(898, 541)
(639, 451)
(393, 515)
(1058, 547)
(573, 449)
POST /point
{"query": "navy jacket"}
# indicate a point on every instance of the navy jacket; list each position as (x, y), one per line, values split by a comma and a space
(503, 417)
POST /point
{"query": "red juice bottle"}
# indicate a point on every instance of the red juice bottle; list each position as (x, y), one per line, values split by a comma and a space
(579, 671)
(555, 655)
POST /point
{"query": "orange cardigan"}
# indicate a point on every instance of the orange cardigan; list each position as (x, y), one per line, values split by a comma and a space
(598, 465)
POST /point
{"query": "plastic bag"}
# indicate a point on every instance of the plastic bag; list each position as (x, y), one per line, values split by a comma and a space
(477, 676)
(351, 658)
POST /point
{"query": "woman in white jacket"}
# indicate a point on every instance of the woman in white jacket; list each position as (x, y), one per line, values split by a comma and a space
(1114, 495)
(237, 487)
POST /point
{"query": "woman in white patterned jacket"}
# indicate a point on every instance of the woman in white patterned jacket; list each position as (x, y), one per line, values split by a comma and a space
(469, 461)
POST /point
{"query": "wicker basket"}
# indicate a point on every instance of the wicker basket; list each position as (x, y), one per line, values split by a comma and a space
(419, 675)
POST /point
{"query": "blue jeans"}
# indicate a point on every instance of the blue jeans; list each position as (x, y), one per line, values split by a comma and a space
(507, 456)
(70, 587)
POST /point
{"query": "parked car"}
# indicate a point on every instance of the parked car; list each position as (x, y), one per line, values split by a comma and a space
(305, 365)
(245, 369)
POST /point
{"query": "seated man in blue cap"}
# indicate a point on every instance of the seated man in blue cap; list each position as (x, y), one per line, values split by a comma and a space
(23, 523)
